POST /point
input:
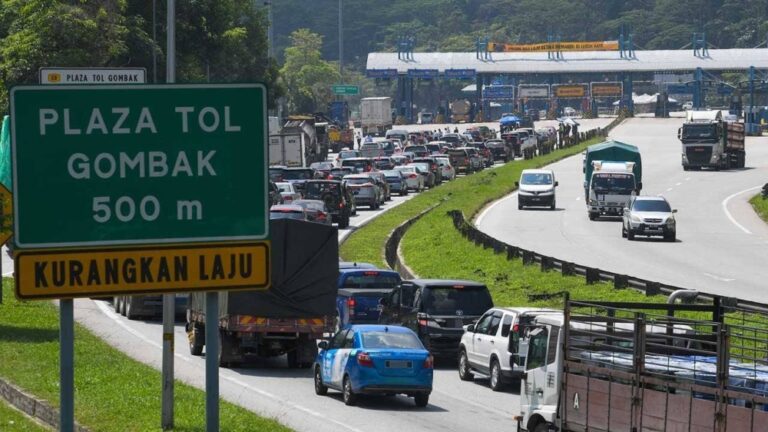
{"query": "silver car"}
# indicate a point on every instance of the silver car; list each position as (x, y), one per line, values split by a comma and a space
(413, 177)
(446, 169)
(365, 189)
(647, 215)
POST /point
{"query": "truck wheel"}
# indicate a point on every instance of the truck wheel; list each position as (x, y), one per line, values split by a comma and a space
(465, 373)
(541, 427)
(671, 237)
(553, 205)
(592, 215)
(320, 388)
(344, 222)
(350, 398)
(226, 350)
(685, 168)
(623, 232)
(122, 305)
(195, 340)
(130, 311)
(496, 382)
(630, 234)
(421, 399)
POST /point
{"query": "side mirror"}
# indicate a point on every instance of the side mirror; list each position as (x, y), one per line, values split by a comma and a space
(323, 345)
(471, 328)
(557, 183)
(517, 184)
(674, 210)
(384, 301)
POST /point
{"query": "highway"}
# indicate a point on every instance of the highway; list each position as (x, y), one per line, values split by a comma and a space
(272, 390)
(721, 247)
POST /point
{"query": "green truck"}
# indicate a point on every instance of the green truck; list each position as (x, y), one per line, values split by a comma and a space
(613, 172)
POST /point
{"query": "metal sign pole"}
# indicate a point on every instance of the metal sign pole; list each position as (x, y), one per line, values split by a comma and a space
(212, 362)
(66, 365)
(169, 306)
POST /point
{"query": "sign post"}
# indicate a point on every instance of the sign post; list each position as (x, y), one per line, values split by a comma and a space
(165, 189)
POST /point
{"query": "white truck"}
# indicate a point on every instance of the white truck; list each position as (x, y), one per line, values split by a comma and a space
(287, 150)
(611, 187)
(376, 115)
(616, 366)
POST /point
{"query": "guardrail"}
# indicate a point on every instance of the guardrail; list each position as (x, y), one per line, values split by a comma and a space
(391, 255)
(591, 275)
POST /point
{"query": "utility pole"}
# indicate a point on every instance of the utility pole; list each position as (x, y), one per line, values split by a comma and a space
(270, 29)
(341, 44)
(154, 42)
(169, 300)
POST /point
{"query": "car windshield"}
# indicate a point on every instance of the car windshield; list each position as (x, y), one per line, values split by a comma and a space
(392, 174)
(457, 153)
(456, 300)
(287, 214)
(699, 131)
(651, 206)
(285, 187)
(345, 154)
(421, 165)
(406, 169)
(383, 339)
(311, 204)
(371, 279)
(536, 179)
(321, 166)
(320, 188)
(416, 149)
(605, 183)
(297, 174)
(358, 181)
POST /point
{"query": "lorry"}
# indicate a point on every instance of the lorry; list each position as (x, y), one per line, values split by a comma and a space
(287, 150)
(302, 141)
(460, 111)
(613, 173)
(286, 319)
(340, 135)
(376, 115)
(711, 141)
(617, 366)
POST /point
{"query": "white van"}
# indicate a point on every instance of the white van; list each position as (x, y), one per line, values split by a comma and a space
(536, 187)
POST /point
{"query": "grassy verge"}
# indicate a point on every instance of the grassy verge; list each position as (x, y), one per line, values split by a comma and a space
(112, 391)
(14, 421)
(760, 205)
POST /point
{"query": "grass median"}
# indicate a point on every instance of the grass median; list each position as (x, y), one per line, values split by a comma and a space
(112, 391)
(12, 420)
(760, 205)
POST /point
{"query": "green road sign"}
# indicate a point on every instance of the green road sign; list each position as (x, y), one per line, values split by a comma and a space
(138, 164)
(349, 90)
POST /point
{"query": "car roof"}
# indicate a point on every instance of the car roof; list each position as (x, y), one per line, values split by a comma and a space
(537, 171)
(380, 327)
(357, 176)
(357, 159)
(443, 282)
(358, 269)
(287, 207)
(324, 181)
(649, 198)
(354, 264)
(522, 310)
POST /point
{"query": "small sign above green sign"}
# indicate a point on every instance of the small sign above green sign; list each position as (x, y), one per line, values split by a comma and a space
(345, 90)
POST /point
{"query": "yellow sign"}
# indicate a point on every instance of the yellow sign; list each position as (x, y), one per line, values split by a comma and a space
(6, 217)
(606, 90)
(555, 46)
(161, 269)
(54, 77)
(569, 91)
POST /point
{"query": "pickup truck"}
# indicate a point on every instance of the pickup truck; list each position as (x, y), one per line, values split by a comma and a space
(360, 292)
(460, 160)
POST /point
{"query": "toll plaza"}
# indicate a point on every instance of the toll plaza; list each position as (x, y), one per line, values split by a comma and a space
(592, 77)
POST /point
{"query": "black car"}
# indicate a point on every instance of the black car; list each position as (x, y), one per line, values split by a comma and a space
(336, 196)
(436, 310)
(498, 149)
(274, 194)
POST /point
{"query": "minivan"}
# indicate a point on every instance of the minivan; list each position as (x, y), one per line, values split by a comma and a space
(536, 187)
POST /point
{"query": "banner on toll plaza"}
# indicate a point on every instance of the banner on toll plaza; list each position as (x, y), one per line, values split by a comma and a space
(569, 90)
(602, 89)
(533, 91)
(63, 76)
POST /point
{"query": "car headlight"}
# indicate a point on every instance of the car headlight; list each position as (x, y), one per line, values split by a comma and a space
(548, 192)
(671, 221)
(593, 202)
(636, 219)
(525, 192)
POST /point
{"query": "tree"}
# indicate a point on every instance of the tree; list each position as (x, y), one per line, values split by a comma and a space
(305, 75)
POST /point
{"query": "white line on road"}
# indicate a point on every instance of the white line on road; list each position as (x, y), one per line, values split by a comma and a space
(669, 189)
(8, 273)
(479, 219)
(678, 184)
(720, 278)
(687, 178)
(222, 374)
(728, 213)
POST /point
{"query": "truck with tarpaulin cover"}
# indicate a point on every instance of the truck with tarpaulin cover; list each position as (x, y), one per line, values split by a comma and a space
(616, 366)
(298, 308)
(613, 173)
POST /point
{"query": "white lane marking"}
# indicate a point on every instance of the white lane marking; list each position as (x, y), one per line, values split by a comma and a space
(8, 273)
(687, 178)
(728, 213)
(222, 374)
(669, 189)
(479, 219)
(475, 404)
(720, 278)
(578, 198)
(678, 184)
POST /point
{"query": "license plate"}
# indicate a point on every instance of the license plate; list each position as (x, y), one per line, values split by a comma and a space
(398, 364)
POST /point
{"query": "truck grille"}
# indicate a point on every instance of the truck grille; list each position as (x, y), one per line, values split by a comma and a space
(698, 155)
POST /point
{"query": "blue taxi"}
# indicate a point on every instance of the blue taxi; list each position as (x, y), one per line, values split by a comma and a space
(374, 359)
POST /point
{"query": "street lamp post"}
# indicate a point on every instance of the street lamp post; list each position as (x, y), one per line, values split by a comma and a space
(341, 44)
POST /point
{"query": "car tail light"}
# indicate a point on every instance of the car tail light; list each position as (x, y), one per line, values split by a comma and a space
(364, 359)
(515, 328)
(321, 215)
(429, 362)
(341, 205)
(412, 176)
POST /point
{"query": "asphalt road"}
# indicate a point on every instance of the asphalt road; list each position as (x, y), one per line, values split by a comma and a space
(270, 389)
(722, 245)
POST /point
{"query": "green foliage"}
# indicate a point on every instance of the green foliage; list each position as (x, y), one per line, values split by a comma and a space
(306, 76)
(14, 421)
(112, 391)
(216, 40)
(760, 205)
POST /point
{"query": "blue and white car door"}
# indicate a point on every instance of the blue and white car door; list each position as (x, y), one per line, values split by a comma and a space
(340, 359)
(329, 356)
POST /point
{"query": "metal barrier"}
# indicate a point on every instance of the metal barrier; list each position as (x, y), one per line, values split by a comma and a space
(393, 243)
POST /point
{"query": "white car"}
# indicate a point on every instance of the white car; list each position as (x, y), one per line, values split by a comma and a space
(687, 106)
(288, 192)
(446, 169)
(413, 177)
(496, 346)
(536, 187)
(649, 215)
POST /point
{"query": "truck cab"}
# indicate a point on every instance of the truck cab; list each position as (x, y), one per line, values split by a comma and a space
(539, 387)
(711, 141)
(610, 188)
